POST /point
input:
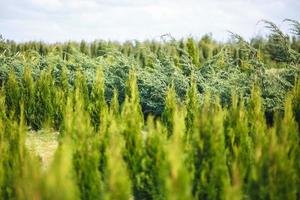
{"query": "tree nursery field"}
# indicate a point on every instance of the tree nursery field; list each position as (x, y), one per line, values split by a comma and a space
(169, 119)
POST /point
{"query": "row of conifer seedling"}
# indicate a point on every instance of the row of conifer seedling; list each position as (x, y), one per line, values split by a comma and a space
(197, 149)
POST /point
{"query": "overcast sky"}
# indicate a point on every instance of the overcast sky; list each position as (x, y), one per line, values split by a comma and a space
(62, 20)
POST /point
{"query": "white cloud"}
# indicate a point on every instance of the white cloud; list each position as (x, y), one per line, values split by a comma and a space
(61, 20)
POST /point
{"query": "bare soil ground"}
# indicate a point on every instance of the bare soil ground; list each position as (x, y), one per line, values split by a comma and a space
(42, 143)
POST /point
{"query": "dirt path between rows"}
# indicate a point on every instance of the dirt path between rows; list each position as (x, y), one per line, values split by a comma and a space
(42, 143)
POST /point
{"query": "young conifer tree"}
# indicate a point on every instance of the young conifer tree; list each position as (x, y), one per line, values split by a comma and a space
(288, 140)
(85, 147)
(192, 105)
(133, 122)
(97, 101)
(60, 93)
(295, 95)
(178, 180)
(155, 159)
(114, 104)
(193, 51)
(44, 94)
(13, 156)
(239, 146)
(82, 87)
(170, 109)
(12, 95)
(64, 81)
(233, 191)
(29, 183)
(3, 119)
(84, 48)
(256, 116)
(275, 148)
(27, 95)
(117, 184)
(211, 172)
(296, 103)
(270, 178)
(239, 143)
(59, 103)
(60, 179)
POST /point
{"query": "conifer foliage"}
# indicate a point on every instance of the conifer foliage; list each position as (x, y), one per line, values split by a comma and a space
(152, 121)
